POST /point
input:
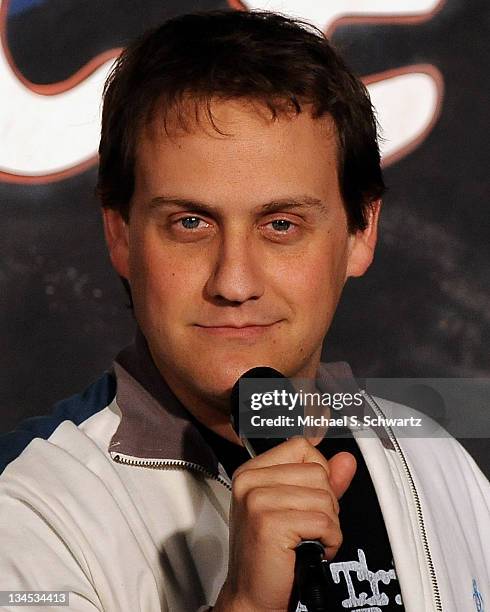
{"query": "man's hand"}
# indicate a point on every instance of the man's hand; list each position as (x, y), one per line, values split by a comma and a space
(283, 496)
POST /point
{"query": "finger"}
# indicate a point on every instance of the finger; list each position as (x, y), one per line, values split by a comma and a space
(295, 450)
(296, 526)
(291, 497)
(343, 467)
(311, 475)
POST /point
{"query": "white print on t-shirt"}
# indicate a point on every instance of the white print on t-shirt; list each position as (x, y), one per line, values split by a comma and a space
(376, 599)
(363, 573)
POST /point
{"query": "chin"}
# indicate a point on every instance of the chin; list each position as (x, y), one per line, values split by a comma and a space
(220, 381)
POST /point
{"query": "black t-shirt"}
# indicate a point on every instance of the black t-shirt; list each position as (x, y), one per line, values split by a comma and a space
(362, 575)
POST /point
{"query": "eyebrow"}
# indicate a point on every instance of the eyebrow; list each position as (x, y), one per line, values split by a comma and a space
(278, 204)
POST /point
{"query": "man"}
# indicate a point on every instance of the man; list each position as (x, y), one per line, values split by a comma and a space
(240, 183)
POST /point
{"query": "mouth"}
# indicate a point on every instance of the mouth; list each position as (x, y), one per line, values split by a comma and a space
(248, 330)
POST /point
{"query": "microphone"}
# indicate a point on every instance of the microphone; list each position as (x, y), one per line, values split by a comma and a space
(241, 400)
(310, 580)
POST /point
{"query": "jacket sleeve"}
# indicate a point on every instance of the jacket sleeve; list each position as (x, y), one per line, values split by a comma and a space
(35, 558)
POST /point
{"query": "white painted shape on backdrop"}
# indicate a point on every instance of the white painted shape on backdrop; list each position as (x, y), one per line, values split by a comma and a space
(322, 13)
(41, 134)
(405, 106)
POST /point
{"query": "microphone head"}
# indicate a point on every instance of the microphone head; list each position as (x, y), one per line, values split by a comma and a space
(258, 372)
(257, 381)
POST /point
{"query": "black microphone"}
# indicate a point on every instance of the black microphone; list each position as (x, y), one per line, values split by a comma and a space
(310, 581)
(258, 380)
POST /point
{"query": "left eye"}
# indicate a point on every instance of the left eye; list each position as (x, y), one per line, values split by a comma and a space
(281, 225)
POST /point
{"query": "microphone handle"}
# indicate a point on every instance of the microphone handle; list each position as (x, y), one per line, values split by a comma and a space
(310, 578)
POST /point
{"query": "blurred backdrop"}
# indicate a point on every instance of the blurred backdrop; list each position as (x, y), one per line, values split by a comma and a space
(422, 310)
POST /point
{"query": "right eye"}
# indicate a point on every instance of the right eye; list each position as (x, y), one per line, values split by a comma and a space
(191, 222)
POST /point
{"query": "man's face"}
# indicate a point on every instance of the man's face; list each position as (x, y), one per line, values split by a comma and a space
(237, 247)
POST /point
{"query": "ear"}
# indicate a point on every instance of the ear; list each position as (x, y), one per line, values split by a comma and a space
(116, 232)
(363, 243)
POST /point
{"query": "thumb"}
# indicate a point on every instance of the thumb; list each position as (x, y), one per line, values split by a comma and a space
(342, 469)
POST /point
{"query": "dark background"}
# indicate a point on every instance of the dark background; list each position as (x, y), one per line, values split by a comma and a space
(422, 310)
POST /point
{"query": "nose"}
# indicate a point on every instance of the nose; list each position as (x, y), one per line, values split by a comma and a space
(237, 273)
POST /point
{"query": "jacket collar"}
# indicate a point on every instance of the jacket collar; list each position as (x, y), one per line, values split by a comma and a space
(155, 424)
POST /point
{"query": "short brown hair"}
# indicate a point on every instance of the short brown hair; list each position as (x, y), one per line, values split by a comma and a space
(279, 61)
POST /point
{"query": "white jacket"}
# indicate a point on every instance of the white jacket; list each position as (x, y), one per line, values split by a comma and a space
(122, 504)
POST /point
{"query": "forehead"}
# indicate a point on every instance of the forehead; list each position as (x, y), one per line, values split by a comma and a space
(236, 145)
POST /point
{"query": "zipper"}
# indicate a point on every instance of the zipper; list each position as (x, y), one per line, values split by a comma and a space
(168, 464)
(416, 498)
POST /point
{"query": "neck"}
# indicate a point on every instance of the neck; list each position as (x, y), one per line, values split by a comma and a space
(213, 414)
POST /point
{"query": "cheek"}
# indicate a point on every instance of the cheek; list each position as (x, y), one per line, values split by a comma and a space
(326, 267)
(318, 281)
(160, 279)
